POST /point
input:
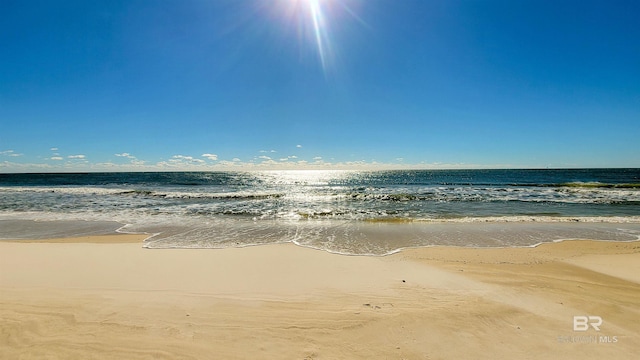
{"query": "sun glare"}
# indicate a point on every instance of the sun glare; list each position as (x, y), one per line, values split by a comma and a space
(313, 21)
(309, 17)
(319, 30)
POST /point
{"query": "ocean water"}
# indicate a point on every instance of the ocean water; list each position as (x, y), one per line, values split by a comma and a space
(350, 212)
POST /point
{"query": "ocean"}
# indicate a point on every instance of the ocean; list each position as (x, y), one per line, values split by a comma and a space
(348, 212)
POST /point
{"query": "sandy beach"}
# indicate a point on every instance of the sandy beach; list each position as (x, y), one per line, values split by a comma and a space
(106, 297)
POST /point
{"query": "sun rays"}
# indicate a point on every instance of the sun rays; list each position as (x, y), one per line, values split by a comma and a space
(312, 20)
(319, 30)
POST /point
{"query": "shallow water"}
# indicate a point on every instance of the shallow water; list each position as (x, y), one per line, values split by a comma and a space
(352, 212)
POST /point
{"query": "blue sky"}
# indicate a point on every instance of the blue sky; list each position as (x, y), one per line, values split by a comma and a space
(278, 84)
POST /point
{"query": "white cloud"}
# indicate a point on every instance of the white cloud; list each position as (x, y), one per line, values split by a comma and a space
(127, 155)
(7, 166)
(290, 157)
(208, 161)
(10, 153)
(134, 161)
(298, 146)
(188, 163)
(212, 157)
(224, 164)
(267, 163)
(176, 159)
(54, 149)
(180, 162)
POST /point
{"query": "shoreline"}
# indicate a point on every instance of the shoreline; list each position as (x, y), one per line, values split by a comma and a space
(108, 297)
(141, 238)
(378, 238)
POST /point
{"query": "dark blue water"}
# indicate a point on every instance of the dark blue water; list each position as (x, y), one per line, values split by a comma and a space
(497, 177)
(345, 211)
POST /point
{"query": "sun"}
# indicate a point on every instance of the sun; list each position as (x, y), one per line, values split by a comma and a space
(309, 15)
(312, 21)
(319, 29)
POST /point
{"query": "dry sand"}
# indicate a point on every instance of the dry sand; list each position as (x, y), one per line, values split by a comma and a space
(108, 298)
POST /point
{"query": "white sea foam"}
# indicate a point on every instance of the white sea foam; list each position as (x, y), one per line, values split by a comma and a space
(72, 190)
